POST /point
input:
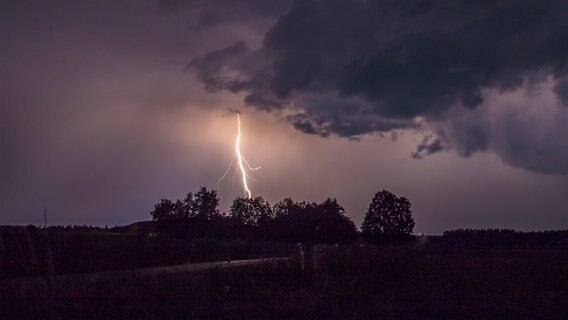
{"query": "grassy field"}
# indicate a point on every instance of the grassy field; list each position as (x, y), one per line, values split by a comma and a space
(34, 252)
(387, 282)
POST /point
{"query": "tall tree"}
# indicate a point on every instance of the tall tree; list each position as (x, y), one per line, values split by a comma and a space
(204, 204)
(333, 226)
(325, 222)
(388, 217)
(295, 221)
(165, 210)
(285, 207)
(201, 205)
(251, 211)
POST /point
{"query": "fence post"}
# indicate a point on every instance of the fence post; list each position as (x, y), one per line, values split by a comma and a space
(307, 257)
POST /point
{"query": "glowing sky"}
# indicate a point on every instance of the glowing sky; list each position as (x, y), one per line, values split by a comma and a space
(109, 106)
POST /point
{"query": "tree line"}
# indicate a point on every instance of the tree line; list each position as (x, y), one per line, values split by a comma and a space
(388, 218)
(505, 237)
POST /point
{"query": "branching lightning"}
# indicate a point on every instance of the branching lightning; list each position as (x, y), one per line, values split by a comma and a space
(224, 175)
(242, 163)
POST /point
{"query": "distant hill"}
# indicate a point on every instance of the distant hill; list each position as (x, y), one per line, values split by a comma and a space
(138, 227)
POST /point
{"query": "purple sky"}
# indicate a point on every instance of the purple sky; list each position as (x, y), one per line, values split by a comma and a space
(106, 107)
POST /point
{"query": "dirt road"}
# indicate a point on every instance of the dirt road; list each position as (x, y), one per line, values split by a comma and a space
(143, 272)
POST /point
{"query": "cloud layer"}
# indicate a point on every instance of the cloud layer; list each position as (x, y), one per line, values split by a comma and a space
(350, 68)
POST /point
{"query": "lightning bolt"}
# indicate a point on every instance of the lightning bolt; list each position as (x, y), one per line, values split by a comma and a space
(242, 161)
(224, 175)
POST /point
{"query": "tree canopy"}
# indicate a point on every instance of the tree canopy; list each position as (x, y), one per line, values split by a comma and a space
(325, 222)
(388, 217)
(197, 214)
(251, 211)
(200, 205)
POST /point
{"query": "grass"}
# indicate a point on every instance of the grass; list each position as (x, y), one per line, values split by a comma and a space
(388, 282)
(34, 252)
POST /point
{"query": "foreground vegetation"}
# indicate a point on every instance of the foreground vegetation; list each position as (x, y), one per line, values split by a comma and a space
(413, 281)
(31, 251)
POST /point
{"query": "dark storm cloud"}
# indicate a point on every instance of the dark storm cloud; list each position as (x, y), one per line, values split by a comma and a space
(389, 62)
(525, 128)
(428, 146)
(561, 87)
(217, 62)
(303, 123)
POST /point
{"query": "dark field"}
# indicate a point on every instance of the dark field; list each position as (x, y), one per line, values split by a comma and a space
(428, 281)
(29, 251)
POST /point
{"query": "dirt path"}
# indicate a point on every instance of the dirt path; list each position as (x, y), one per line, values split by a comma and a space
(143, 272)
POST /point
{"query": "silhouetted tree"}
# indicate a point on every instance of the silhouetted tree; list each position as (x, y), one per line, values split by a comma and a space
(312, 222)
(388, 217)
(201, 205)
(285, 207)
(252, 212)
(182, 209)
(333, 226)
(165, 210)
(204, 204)
(294, 221)
(198, 215)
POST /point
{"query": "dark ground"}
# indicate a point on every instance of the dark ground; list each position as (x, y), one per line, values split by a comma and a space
(387, 282)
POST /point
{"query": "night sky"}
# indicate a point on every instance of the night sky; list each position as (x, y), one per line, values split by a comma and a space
(461, 106)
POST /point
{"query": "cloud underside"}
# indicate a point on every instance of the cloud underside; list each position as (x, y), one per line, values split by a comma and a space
(473, 76)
